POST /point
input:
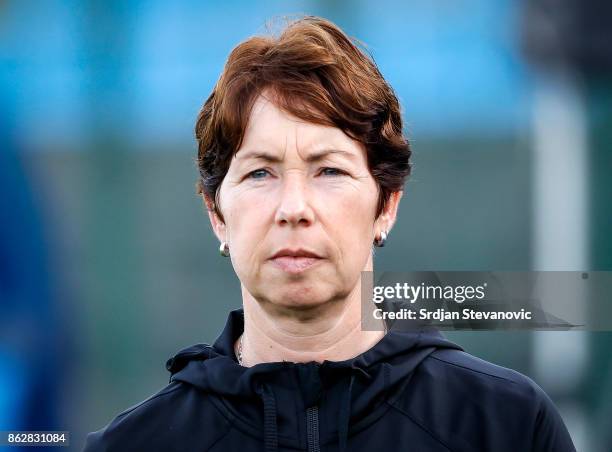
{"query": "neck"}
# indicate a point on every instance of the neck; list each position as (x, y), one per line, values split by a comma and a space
(330, 331)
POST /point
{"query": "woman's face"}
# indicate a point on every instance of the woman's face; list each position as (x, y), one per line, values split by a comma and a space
(299, 206)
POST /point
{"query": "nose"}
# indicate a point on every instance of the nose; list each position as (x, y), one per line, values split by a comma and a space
(294, 208)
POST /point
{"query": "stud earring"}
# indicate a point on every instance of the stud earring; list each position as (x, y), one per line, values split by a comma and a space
(380, 242)
(224, 249)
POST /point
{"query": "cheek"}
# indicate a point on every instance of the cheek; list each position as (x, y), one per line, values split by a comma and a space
(247, 216)
(245, 212)
(349, 218)
(352, 205)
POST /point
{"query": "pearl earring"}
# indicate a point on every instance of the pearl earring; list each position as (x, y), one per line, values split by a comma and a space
(380, 242)
(224, 249)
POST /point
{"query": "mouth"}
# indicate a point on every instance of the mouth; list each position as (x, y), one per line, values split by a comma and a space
(295, 261)
(295, 264)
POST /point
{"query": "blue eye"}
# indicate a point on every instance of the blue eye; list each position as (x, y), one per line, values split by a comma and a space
(256, 173)
(332, 172)
(261, 173)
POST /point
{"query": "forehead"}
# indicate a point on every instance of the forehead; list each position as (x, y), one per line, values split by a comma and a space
(278, 130)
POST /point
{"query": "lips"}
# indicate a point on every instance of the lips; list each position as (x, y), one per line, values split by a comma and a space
(295, 260)
(297, 252)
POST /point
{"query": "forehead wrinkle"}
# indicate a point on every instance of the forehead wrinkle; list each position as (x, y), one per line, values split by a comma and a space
(312, 157)
(321, 152)
(295, 136)
(295, 127)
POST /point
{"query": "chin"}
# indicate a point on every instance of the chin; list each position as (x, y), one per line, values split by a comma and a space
(300, 298)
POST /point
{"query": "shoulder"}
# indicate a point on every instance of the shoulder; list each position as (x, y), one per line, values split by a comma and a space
(479, 403)
(462, 370)
(167, 420)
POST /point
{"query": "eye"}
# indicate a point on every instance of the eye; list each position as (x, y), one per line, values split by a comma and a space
(257, 174)
(332, 172)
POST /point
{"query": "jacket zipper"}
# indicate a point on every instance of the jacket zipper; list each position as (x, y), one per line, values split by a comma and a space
(312, 428)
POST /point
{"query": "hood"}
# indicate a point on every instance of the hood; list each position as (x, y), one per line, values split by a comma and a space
(348, 393)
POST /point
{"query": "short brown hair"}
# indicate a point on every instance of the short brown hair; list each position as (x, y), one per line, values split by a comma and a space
(318, 74)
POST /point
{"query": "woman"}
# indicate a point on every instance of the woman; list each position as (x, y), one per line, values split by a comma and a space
(302, 163)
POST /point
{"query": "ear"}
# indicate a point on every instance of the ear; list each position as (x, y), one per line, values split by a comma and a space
(387, 218)
(218, 226)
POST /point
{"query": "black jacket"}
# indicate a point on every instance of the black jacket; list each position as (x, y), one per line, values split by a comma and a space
(412, 391)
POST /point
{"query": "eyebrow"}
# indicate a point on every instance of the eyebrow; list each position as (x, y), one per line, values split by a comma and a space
(313, 157)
